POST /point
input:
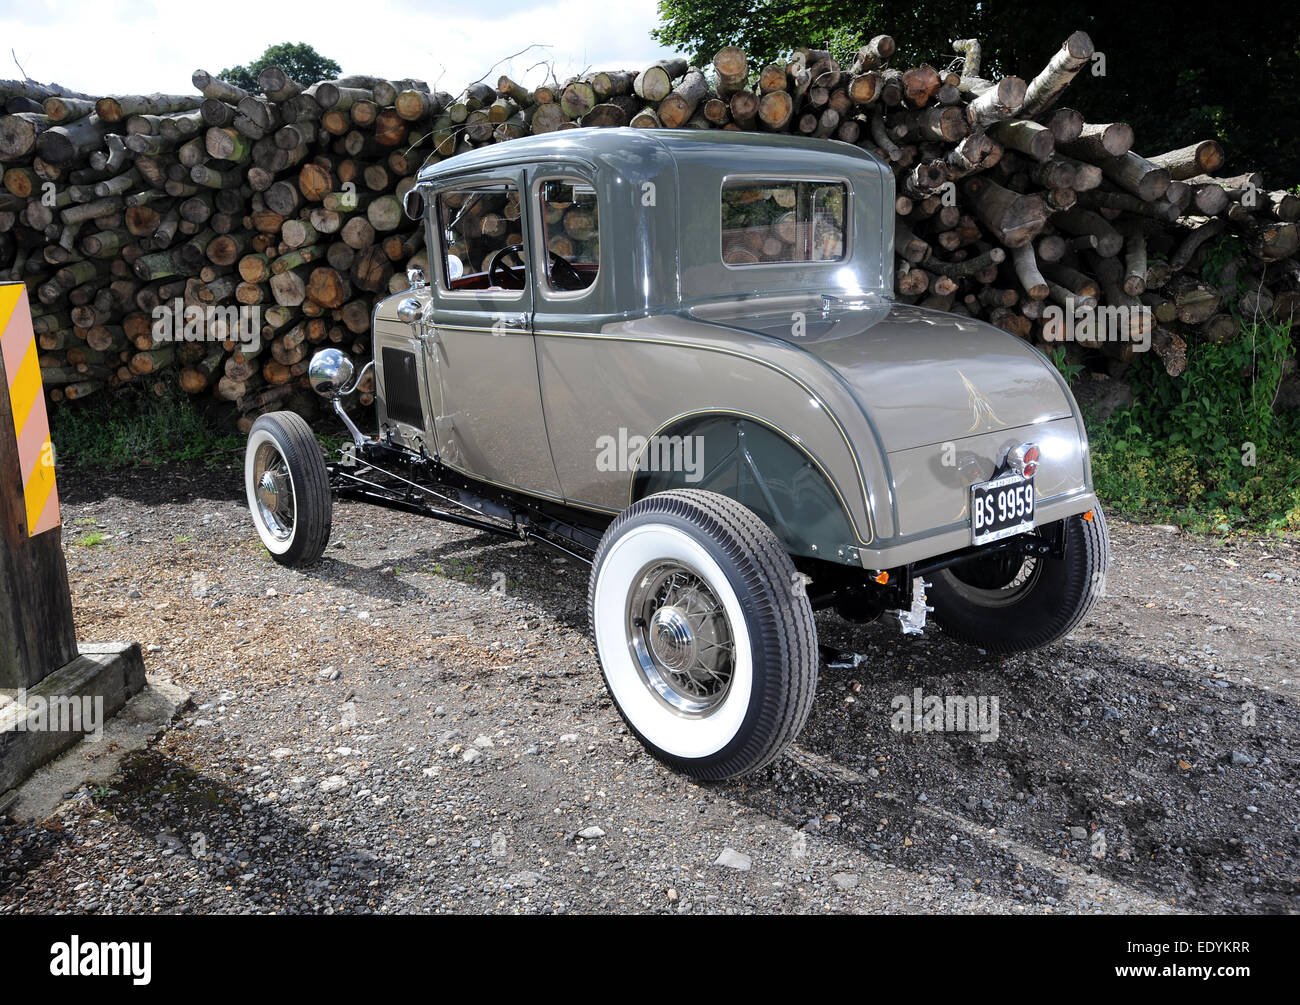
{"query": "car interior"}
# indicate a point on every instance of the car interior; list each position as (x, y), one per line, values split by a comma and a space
(481, 227)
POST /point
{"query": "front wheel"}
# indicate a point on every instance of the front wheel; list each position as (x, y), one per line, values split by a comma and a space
(1006, 604)
(706, 639)
(288, 488)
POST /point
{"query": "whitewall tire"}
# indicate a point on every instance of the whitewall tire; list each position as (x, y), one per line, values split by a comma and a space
(706, 642)
(288, 489)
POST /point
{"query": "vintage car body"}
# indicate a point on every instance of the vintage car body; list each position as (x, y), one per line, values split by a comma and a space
(869, 396)
(695, 377)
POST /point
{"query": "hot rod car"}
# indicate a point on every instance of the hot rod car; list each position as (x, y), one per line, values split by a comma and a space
(676, 355)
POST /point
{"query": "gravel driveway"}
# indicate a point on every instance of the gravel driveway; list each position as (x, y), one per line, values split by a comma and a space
(418, 724)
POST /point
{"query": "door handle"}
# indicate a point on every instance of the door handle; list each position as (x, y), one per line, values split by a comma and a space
(510, 325)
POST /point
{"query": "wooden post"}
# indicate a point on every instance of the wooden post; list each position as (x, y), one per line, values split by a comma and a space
(37, 635)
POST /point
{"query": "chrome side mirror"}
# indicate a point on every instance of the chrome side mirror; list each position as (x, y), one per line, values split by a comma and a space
(330, 372)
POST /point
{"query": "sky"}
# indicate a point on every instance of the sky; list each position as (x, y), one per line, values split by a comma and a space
(141, 46)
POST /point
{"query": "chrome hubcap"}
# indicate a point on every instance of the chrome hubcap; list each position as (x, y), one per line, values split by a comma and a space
(274, 492)
(680, 638)
(671, 640)
(269, 490)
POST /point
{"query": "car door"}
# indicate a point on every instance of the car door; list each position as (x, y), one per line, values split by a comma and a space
(491, 425)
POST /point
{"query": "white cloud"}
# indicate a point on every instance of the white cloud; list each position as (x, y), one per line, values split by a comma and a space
(129, 46)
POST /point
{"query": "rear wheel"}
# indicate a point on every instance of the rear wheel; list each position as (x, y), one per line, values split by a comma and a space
(706, 644)
(1007, 603)
(288, 488)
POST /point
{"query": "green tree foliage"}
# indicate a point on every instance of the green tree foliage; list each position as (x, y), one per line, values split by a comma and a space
(300, 61)
(1176, 74)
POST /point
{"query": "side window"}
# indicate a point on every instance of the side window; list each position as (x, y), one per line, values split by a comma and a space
(482, 238)
(570, 226)
(781, 220)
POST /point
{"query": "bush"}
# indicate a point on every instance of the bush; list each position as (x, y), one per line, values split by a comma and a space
(1206, 450)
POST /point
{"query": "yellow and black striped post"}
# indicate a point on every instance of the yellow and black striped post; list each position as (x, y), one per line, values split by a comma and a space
(36, 630)
(27, 407)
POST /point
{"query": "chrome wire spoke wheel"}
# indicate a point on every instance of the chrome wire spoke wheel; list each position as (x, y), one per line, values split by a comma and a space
(996, 580)
(273, 488)
(681, 638)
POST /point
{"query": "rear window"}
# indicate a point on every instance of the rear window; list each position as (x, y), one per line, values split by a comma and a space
(779, 220)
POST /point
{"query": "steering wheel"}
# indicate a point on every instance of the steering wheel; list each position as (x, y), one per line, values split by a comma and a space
(564, 275)
(496, 264)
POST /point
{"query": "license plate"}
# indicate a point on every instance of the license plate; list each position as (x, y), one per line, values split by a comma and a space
(1001, 508)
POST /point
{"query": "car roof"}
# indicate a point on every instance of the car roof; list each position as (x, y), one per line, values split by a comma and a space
(762, 151)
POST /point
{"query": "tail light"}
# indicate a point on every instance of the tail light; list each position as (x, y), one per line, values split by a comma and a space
(1023, 460)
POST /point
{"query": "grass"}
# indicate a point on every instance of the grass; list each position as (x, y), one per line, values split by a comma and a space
(94, 538)
(1144, 477)
(1207, 451)
(457, 569)
(332, 443)
(132, 430)
(464, 571)
(125, 430)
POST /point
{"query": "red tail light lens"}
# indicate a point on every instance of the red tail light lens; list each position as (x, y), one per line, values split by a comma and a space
(1023, 459)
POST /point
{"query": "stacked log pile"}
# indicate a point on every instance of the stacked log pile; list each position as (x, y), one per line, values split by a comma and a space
(290, 200)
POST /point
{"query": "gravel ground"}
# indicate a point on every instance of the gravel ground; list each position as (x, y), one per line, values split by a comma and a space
(418, 724)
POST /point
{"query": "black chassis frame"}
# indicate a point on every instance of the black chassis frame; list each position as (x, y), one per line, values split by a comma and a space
(384, 473)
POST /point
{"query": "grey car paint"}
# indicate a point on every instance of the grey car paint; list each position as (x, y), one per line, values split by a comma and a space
(900, 408)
